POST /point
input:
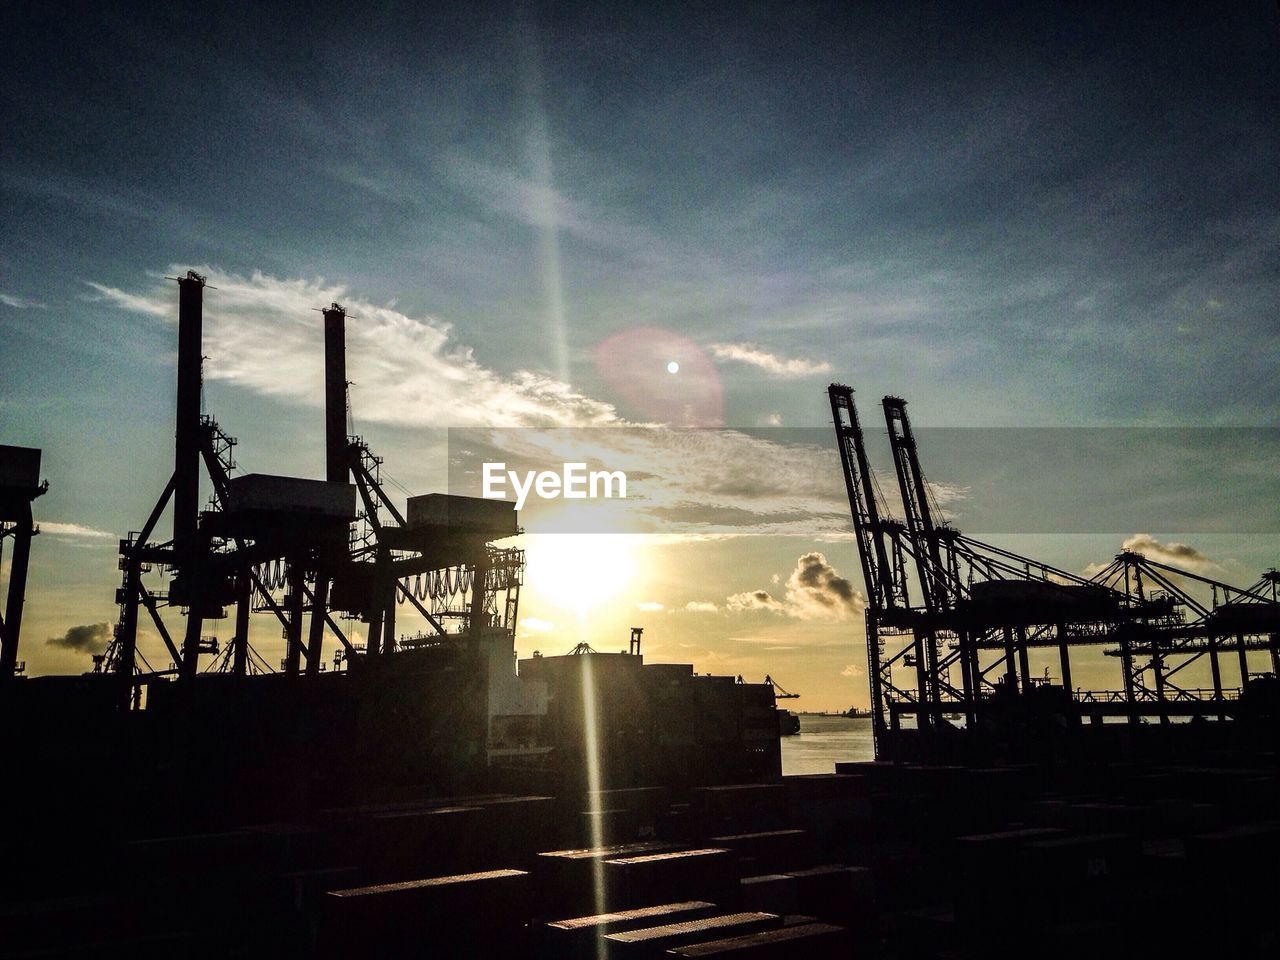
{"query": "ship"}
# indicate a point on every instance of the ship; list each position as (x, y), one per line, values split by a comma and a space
(788, 723)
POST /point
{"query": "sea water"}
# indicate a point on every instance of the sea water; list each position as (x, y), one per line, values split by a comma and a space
(823, 740)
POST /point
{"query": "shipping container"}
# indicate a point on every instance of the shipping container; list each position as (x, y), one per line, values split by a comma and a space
(263, 493)
(19, 467)
(653, 940)
(473, 514)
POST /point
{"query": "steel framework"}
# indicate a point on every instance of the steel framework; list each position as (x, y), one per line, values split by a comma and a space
(20, 485)
(976, 610)
(362, 567)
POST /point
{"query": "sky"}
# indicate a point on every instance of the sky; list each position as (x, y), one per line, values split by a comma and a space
(1014, 215)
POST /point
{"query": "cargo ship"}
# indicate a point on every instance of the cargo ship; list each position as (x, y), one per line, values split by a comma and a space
(788, 723)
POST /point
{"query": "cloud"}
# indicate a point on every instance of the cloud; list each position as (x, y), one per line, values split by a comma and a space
(754, 600)
(769, 642)
(534, 625)
(770, 363)
(1175, 554)
(509, 194)
(650, 606)
(814, 591)
(262, 333)
(155, 305)
(1180, 555)
(77, 530)
(21, 303)
(87, 638)
(852, 670)
(698, 483)
(701, 606)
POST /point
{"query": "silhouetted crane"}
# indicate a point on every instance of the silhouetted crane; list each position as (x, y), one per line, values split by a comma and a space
(972, 599)
(778, 692)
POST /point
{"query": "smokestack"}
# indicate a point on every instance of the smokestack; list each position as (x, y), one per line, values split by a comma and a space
(335, 394)
(186, 467)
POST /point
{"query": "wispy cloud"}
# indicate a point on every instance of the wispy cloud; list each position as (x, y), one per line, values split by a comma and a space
(1175, 554)
(768, 644)
(21, 303)
(770, 363)
(508, 193)
(650, 606)
(156, 305)
(695, 483)
(536, 625)
(754, 600)
(74, 530)
(262, 333)
(701, 606)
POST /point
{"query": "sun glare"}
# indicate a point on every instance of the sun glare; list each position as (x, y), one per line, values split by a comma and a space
(578, 571)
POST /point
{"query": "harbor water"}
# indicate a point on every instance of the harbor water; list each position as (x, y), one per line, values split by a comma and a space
(823, 740)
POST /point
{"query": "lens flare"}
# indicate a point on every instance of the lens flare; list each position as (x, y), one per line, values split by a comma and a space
(591, 751)
(632, 362)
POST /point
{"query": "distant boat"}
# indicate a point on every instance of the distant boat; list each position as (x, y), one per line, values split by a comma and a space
(855, 712)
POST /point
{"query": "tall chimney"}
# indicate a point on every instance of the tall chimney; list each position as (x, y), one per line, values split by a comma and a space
(186, 466)
(335, 394)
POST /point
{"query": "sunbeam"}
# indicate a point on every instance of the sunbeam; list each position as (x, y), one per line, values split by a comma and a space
(591, 750)
(542, 201)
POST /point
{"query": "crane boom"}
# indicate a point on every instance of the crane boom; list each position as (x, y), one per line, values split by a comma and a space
(915, 504)
(860, 487)
(778, 692)
(872, 553)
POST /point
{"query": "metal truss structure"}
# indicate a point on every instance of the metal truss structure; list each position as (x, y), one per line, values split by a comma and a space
(20, 485)
(305, 569)
(957, 617)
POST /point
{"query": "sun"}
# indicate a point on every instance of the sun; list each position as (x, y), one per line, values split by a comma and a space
(579, 571)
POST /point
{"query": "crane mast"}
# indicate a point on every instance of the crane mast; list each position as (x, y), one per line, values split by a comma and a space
(876, 570)
(924, 537)
(923, 532)
(984, 608)
(872, 553)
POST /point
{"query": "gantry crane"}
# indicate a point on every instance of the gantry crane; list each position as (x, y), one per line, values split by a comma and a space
(20, 485)
(293, 547)
(979, 609)
(778, 692)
